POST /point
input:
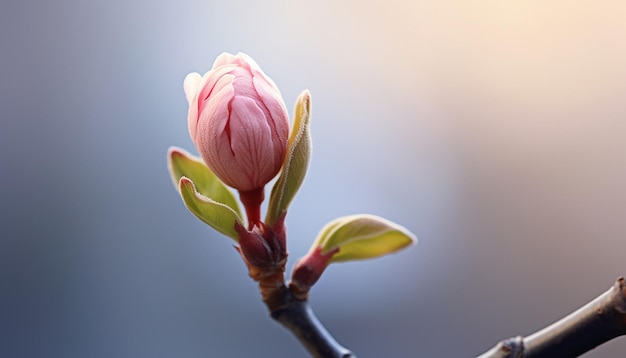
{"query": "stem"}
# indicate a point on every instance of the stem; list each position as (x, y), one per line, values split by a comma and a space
(252, 201)
(597, 322)
(298, 317)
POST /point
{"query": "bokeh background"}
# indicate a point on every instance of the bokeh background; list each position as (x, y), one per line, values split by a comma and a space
(494, 130)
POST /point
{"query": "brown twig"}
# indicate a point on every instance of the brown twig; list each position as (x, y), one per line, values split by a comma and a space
(597, 322)
(295, 314)
(298, 317)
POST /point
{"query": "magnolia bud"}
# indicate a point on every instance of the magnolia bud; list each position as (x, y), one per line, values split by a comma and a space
(238, 122)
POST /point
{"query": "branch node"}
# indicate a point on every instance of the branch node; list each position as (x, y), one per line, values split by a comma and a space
(508, 348)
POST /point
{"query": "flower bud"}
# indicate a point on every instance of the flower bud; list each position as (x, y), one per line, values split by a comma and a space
(238, 122)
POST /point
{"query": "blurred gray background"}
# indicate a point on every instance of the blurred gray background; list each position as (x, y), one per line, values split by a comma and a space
(493, 130)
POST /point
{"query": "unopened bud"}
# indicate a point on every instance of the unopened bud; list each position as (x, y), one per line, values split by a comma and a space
(238, 121)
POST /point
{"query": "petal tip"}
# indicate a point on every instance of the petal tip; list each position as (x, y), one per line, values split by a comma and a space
(191, 83)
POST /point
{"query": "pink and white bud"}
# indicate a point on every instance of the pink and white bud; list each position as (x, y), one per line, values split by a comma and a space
(238, 122)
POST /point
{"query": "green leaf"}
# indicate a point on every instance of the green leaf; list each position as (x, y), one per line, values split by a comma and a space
(182, 164)
(296, 162)
(219, 216)
(360, 237)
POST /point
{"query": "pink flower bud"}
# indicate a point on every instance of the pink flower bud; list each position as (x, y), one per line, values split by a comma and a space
(238, 121)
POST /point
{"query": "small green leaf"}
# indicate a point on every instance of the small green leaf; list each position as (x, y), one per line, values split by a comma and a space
(296, 162)
(360, 237)
(182, 164)
(219, 216)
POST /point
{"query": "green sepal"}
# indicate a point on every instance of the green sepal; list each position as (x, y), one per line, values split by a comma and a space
(219, 216)
(296, 161)
(360, 237)
(182, 164)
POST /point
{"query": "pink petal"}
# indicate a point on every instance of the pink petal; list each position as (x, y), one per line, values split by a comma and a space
(273, 101)
(250, 139)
